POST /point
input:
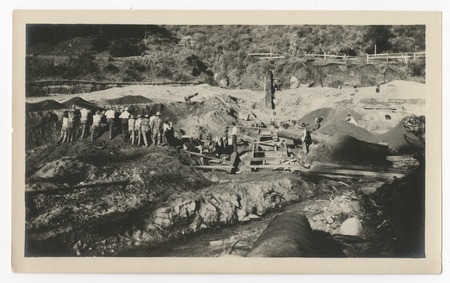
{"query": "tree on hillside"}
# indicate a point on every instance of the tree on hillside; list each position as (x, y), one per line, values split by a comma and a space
(378, 37)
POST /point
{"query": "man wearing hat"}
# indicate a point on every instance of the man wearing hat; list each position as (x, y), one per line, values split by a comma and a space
(156, 125)
(124, 116)
(234, 133)
(84, 121)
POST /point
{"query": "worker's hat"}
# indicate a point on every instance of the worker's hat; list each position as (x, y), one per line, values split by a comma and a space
(131, 116)
(138, 116)
(98, 112)
(303, 125)
(146, 115)
(126, 109)
(158, 113)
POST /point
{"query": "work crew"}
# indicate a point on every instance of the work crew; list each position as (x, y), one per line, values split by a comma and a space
(350, 119)
(131, 128)
(96, 125)
(124, 116)
(84, 121)
(156, 128)
(110, 116)
(145, 127)
(234, 134)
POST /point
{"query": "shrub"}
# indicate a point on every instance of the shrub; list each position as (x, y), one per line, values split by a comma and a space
(125, 48)
(110, 68)
(417, 68)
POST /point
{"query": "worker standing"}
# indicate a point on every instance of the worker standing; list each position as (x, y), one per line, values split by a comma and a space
(350, 119)
(137, 129)
(96, 125)
(65, 123)
(131, 124)
(144, 130)
(71, 126)
(156, 128)
(110, 116)
(234, 134)
(273, 120)
(317, 123)
(168, 132)
(124, 116)
(84, 121)
(306, 138)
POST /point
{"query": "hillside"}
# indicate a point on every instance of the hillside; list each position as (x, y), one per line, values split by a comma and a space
(219, 55)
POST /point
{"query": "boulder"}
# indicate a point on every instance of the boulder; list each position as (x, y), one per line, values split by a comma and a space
(294, 82)
(351, 227)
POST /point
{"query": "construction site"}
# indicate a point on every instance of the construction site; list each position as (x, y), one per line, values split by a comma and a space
(354, 190)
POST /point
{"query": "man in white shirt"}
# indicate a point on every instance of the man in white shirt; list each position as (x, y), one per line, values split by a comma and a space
(110, 115)
(350, 119)
(84, 121)
(96, 120)
(124, 116)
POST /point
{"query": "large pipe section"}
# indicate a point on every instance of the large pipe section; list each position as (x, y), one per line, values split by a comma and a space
(287, 235)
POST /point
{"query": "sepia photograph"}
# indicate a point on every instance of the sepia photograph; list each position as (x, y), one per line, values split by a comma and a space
(234, 141)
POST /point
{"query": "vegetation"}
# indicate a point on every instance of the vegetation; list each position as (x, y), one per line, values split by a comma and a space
(203, 53)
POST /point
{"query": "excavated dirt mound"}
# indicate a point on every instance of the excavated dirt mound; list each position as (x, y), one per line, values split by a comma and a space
(349, 150)
(45, 105)
(401, 140)
(125, 100)
(80, 102)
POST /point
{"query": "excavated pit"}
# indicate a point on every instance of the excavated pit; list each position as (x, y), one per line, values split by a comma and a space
(160, 199)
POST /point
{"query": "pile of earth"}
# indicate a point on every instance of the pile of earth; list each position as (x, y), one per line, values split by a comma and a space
(348, 150)
(45, 105)
(401, 140)
(80, 103)
(126, 100)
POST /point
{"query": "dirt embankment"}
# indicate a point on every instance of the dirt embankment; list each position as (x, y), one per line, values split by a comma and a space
(165, 198)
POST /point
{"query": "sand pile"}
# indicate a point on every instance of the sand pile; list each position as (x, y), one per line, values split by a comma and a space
(125, 100)
(348, 150)
(45, 105)
(80, 103)
(398, 138)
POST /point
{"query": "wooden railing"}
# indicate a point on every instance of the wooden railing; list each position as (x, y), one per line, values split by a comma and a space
(402, 57)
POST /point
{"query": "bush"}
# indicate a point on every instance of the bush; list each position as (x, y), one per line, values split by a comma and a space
(417, 68)
(80, 66)
(125, 48)
(110, 68)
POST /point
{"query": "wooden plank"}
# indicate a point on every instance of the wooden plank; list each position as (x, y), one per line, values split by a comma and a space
(335, 171)
(224, 167)
(355, 167)
(205, 156)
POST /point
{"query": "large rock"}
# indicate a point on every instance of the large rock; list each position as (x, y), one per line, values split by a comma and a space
(294, 82)
(351, 227)
(208, 213)
(66, 169)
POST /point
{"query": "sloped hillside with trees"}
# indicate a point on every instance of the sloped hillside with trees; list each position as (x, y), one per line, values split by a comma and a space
(209, 54)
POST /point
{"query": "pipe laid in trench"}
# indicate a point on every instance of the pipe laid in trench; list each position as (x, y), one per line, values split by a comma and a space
(287, 235)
